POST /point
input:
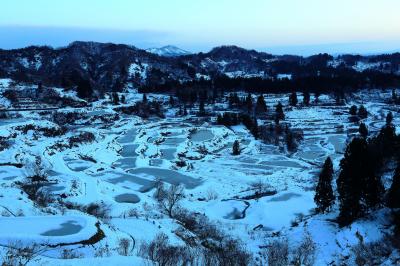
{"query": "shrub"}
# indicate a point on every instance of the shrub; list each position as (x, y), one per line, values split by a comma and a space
(46, 131)
(11, 95)
(4, 144)
(68, 254)
(228, 252)
(371, 253)
(304, 254)
(132, 213)
(103, 251)
(99, 210)
(19, 254)
(260, 186)
(64, 118)
(74, 141)
(43, 198)
(124, 246)
(278, 253)
(163, 253)
(211, 194)
(84, 137)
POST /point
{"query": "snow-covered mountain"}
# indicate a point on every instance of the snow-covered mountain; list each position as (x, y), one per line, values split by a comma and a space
(110, 67)
(169, 50)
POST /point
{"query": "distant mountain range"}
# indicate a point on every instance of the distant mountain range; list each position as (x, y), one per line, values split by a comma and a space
(110, 66)
(169, 50)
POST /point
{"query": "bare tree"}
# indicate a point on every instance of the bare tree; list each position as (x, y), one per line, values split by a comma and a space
(172, 198)
(36, 170)
(124, 246)
(159, 193)
(19, 254)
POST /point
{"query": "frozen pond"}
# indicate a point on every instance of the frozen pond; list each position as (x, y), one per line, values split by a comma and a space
(291, 164)
(339, 142)
(5, 122)
(255, 166)
(122, 177)
(50, 229)
(310, 155)
(54, 188)
(67, 228)
(129, 136)
(285, 197)
(169, 176)
(174, 141)
(168, 154)
(129, 150)
(201, 135)
(127, 198)
(77, 165)
(126, 163)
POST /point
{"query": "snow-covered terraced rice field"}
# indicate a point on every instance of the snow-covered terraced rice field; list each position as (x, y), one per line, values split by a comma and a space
(125, 160)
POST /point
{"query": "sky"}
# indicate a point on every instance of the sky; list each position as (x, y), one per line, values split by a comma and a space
(277, 26)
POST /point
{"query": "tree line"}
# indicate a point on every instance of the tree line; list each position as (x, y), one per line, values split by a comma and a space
(359, 183)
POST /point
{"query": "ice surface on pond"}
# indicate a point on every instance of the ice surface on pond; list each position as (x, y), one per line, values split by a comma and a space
(168, 154)
(78, 165)
(128, 150)
(291, 164)
(201, 135)
(128, 137)
(285, 197)
(47, 229)
(116, 178)
(310, 155)
(54, 188)
(174, 141)
(68, 228)
(127, 198)
(169, 176)
(126, 163)
(339, 142)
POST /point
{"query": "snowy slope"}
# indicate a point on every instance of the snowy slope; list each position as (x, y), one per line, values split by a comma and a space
(169, 51)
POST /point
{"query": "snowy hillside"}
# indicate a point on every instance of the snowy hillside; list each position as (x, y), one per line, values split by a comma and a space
(130, 176)
(109, 67)
(169, 51)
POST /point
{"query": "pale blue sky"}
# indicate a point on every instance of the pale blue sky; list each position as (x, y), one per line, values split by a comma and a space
(287, 25)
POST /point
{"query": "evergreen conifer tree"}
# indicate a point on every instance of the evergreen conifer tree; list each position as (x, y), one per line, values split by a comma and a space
(350, 181)
(389, 118)
(306, 98)
(249, 103)
(324, 197)
(362, 112)
(393, 197)
(363, 130)
(353, 110)
(261, 107)
(236, 148)
(279, 115)
(293, 99)
(115, 98)
(202, 110)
